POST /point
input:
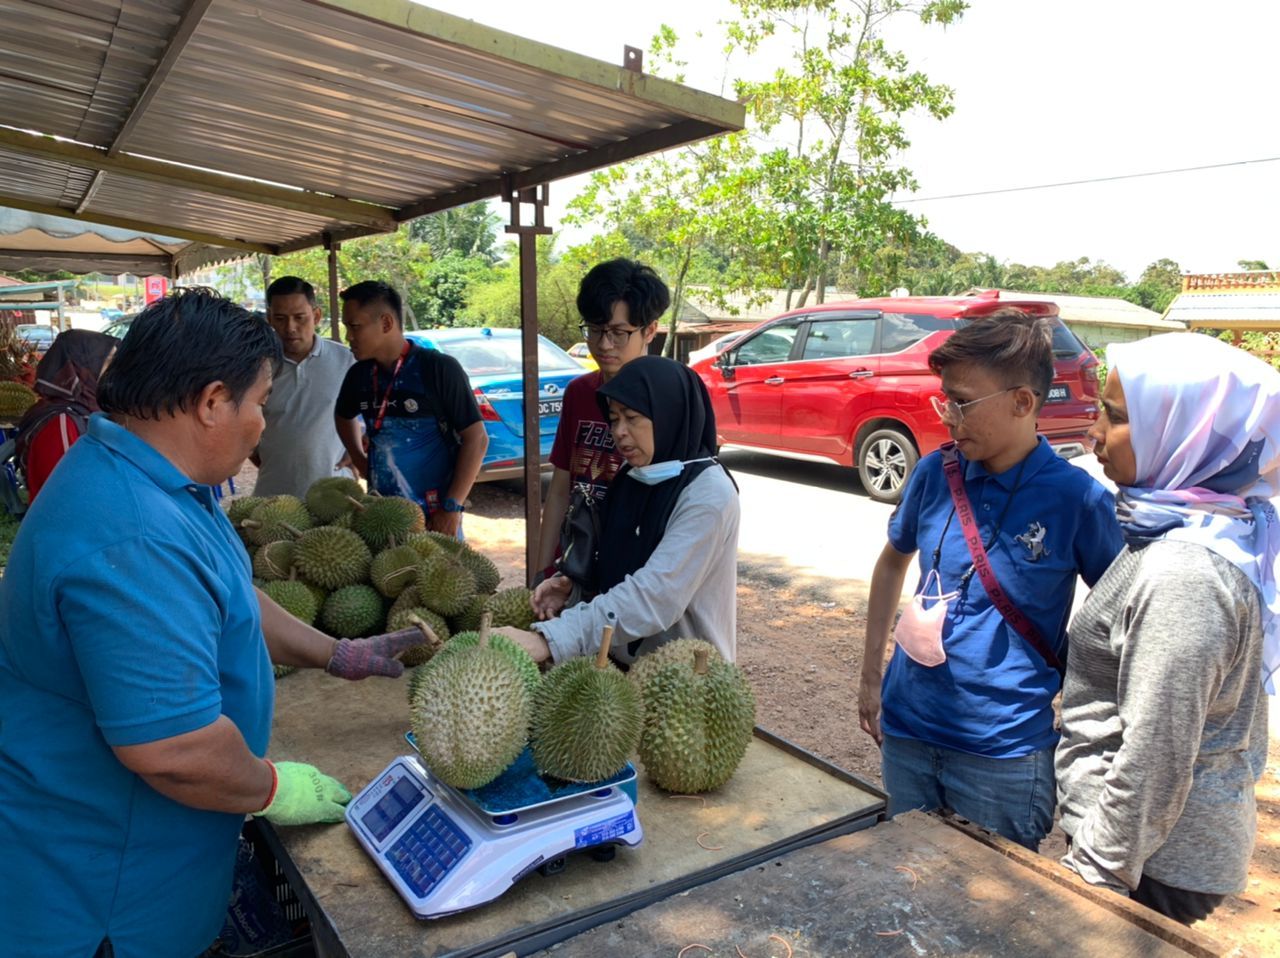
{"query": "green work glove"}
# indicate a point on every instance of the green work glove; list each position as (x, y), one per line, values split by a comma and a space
(304, 795)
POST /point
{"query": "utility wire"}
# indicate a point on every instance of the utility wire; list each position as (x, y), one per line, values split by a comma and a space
(1096, 179)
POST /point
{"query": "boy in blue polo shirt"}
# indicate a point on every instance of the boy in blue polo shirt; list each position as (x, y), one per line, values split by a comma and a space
(974, 732)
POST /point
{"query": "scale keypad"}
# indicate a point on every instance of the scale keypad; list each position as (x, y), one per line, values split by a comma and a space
(428, 850)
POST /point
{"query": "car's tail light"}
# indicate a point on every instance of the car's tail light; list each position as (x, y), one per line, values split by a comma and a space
(487, 412)
(1090, 372)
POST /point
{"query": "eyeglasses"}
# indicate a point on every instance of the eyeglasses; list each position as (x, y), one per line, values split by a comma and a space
(617, 337)
(952, 412)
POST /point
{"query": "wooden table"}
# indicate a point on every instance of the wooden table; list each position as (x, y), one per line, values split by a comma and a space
(916, 885)
(779, 799)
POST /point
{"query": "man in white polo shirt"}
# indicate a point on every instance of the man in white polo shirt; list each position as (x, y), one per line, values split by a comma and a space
(299, 445)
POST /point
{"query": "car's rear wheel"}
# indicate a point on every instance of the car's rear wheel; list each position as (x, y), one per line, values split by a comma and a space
(885, 461)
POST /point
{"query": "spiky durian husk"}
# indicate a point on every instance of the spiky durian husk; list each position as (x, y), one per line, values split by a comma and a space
(697, 725)
(470, 716)
(486, 573)
(274, 560)
(468, 620)
(403, 619)
(15, 399)
(332, 557)
(677, 650)
(276, 519)
(353, 611)
(394, 570)
(586, 721)
(511, 607)
(294, 597)
(445, 585)
(521, 659)
(330, 498)
(422, 543)
(240, 509)
(383, 520)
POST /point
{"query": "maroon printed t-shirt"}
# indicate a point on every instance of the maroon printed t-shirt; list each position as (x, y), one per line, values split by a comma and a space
(584, 444)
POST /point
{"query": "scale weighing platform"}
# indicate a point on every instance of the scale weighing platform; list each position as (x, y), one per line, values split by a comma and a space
(446, 851)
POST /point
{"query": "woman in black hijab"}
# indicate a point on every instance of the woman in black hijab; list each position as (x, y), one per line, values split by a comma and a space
(667, 562)
(67, 383)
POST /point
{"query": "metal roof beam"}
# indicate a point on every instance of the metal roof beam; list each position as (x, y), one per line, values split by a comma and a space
(163, 229)
(177, 43)
(678, 134)
(374, 218)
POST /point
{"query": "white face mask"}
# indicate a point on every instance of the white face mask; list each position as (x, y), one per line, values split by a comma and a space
(657, 472)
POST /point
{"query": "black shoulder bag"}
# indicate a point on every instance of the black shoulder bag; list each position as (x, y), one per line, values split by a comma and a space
(580, 536)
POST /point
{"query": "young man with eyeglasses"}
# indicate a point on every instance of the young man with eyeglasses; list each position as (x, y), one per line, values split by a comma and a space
(974, 733)
(620, 302)
(426, 438)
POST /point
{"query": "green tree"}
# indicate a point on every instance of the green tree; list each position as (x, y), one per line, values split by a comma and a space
(1158, 285)
(676, 209)
(470, 231)
(446, 283)
(494, 300)
(396, 258)
(1252, 264)
(842, 100)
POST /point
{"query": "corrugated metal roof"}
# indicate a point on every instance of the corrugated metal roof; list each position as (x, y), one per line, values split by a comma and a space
(346, 116)
(1228, 310)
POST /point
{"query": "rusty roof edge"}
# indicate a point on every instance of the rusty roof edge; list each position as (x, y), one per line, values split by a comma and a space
(432, 24)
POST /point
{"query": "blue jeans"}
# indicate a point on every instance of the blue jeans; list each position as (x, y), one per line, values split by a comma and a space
(1011, 796)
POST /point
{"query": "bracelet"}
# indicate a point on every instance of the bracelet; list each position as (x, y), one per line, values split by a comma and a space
(275, 783)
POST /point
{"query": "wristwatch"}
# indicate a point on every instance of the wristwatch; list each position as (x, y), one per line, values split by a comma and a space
(453, 505)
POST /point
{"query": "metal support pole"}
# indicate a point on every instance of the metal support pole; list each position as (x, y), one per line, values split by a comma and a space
(62, 316)
(334, 316)
(537, 196)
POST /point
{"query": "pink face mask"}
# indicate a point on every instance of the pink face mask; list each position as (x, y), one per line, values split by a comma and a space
(919, 628)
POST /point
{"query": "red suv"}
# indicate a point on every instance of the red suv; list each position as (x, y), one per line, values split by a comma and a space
(850, 382)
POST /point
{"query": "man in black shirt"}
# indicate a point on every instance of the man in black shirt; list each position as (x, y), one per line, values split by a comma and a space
(426, 438)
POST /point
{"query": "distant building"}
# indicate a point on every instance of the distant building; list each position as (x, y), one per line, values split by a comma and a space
(1239, 302)
(1100, 320)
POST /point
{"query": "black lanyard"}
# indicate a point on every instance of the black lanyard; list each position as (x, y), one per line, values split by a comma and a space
(937, 553)
(382, 410)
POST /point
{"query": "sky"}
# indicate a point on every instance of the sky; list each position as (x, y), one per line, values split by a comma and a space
(1045, 91)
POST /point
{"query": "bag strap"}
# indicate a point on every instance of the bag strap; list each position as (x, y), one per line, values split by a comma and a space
(978, 552)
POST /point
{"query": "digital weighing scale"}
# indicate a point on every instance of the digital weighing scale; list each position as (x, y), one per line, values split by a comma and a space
(446, 851)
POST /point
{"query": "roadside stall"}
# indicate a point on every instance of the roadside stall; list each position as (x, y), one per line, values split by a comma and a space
(153, 118)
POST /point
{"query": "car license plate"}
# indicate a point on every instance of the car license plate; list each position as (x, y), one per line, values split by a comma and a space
(1059, 393)
(550, 407)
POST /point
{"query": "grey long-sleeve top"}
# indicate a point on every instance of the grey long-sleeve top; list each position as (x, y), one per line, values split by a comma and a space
(1164, 722)
(687, 589)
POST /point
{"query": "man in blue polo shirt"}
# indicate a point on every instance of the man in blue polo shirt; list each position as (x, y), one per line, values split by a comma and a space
(965, 721)
(135, 683)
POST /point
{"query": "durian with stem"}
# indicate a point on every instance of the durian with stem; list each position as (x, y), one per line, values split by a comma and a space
(587, 718)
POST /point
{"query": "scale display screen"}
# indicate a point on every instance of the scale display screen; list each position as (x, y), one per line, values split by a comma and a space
(392, 809)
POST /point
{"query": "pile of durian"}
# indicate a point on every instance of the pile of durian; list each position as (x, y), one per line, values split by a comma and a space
(355, 565)
(480, 700)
